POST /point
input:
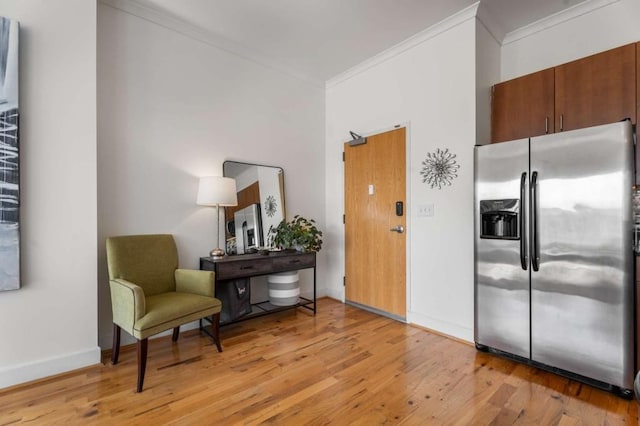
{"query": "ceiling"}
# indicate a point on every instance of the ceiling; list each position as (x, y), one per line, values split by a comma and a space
(319, 39)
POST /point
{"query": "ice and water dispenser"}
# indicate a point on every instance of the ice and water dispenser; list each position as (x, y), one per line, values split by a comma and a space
(499, 219)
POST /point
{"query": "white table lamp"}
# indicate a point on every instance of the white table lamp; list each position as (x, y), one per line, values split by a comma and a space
(217, 191)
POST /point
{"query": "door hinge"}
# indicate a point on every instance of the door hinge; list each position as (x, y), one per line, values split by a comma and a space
(342, 155)
(344, 219)
(344, 281)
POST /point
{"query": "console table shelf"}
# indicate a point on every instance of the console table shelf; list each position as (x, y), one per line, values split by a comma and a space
(230, 268)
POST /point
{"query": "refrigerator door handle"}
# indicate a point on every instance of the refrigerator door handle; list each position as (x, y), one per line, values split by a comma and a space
(523, 220)
(535, 254)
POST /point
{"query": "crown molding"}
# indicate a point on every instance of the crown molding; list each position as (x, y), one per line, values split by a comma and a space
(487, 20)
(149, 13)
(413, 41)
(170, 22)
(556, 19)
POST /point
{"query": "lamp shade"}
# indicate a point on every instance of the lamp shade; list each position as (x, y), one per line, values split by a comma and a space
(217, 191)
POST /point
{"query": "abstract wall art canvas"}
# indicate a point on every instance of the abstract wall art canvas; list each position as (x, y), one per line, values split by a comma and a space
(9, 157)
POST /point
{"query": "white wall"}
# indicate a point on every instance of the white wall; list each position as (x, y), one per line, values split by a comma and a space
(49, 325)
(432, 86)
(171, 109)
(487, 74)
(246, 178)
(552, 43)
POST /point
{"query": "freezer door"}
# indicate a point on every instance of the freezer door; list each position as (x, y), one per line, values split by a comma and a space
(581, 300)
(501, 280)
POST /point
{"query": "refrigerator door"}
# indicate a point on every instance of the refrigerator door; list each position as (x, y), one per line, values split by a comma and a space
(501, 280)
(248, 228)
(581, 295)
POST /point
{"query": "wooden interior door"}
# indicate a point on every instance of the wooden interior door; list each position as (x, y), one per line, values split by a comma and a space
(598, 89)
(375, 180)
(523, 107)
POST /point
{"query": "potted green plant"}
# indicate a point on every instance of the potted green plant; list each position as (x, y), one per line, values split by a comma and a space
(300, 234)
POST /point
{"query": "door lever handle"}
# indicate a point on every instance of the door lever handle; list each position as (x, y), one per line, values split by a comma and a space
(399, 229)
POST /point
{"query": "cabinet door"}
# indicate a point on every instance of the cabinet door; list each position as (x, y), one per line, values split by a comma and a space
(596, 90)
(522, 107)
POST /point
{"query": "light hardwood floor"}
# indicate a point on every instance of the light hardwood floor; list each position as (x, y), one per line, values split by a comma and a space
(343, 366)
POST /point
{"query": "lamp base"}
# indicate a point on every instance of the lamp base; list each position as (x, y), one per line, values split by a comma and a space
(216, 252)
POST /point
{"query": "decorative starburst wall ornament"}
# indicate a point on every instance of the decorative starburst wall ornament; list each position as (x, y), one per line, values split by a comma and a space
(270, 206)
(439, 168)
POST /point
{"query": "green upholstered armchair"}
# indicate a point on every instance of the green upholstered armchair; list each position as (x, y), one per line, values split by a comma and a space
(149, 294)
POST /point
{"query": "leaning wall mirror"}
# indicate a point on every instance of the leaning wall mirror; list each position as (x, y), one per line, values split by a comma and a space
(260, 205)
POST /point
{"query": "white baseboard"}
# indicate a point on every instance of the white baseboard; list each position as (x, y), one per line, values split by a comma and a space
(444, 327)
(22, 373)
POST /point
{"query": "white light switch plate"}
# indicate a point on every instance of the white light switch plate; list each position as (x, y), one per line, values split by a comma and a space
(425, 210)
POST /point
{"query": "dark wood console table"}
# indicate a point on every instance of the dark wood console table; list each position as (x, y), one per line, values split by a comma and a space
(253, 265)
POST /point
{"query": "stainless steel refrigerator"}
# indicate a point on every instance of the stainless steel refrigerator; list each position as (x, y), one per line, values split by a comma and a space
(554, 253)
(248, 224)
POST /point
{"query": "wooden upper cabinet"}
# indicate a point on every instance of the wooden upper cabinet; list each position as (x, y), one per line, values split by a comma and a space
(523, 107)
(596, 90)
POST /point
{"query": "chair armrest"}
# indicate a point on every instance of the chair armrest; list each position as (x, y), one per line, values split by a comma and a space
(196, 282)
(127, 303)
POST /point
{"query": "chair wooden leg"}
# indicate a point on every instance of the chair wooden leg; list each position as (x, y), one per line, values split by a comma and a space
(115, 348)
(142, 362)
(215, 330)
(176, 333)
